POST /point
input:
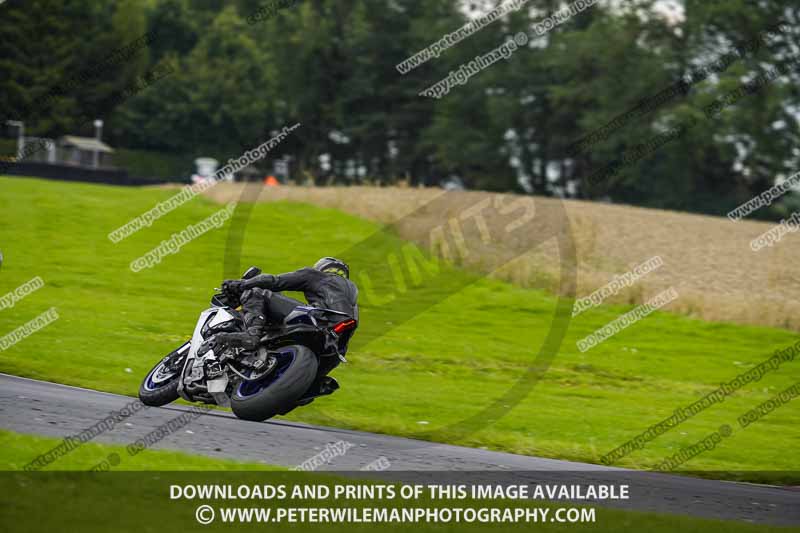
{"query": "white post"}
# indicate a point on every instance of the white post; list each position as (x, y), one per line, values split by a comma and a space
(98, 134)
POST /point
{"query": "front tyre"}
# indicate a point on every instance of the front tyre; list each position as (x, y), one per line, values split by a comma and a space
(160, 386)
(277, 393)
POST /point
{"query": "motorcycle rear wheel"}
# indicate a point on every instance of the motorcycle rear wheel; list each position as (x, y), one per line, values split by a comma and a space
(278, 392)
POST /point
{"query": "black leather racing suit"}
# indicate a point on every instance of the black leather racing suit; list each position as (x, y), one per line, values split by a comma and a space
(261, 302)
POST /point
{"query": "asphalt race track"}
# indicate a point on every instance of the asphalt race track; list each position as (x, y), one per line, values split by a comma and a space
(49, 409)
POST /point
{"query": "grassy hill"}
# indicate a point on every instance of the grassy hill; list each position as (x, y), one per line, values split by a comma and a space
(707, 259)
(469, 340)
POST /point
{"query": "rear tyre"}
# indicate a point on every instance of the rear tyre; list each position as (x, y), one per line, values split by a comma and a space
(160, 386)
(278, 392)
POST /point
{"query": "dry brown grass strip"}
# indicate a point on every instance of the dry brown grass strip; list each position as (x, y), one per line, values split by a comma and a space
(707, 259)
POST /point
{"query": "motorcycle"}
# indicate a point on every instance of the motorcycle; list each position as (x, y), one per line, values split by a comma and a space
(288, 369)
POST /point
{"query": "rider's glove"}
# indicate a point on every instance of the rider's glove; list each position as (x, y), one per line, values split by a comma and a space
(233, 287)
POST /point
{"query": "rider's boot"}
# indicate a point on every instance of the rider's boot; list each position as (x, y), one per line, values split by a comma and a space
(247, 339)
(253, 308)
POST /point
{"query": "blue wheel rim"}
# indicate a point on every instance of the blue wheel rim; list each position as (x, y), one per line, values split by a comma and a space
(151, 385)
(248, 389)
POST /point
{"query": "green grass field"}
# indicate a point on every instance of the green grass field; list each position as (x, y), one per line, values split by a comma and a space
(139, 501)
(19, 449)
(463, 350)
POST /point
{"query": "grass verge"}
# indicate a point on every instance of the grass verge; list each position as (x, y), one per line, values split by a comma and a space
(140, 501)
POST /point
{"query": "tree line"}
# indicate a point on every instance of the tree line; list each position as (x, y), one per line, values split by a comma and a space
(611, 79)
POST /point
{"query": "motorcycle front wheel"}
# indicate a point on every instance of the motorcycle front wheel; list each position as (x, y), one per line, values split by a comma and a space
(160, 386)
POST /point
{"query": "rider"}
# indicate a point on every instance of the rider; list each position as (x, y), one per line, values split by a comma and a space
(327, 285)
